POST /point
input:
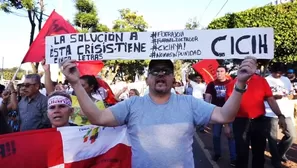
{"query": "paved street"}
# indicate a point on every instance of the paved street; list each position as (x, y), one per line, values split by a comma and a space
(206, 139)
(200, 158)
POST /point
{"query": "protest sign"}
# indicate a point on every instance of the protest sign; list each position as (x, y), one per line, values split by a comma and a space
(183, 44)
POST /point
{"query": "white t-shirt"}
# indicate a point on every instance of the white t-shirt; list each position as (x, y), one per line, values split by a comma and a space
(280, 86)
(43, 91)
(198, 89)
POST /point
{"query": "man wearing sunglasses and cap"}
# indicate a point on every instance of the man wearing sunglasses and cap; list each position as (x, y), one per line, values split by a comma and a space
(161, 125)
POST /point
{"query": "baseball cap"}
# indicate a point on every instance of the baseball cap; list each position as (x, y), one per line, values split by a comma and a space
(290, 71)
(167, 63)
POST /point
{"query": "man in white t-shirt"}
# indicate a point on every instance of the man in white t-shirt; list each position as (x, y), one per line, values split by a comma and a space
(282, 90)
(198, 87)
(198, 91)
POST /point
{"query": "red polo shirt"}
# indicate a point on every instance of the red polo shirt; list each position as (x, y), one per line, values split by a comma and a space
(252, 103)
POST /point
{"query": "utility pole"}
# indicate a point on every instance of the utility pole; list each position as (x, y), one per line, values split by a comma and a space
(2, 68)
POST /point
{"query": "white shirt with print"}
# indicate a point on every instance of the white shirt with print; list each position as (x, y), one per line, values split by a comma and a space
(280, 86)
(198, 89)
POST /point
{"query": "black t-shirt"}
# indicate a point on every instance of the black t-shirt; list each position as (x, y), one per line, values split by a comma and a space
(71, 124)
(217, 90)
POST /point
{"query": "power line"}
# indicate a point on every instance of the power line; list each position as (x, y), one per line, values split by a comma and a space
(205, 11)
(221, 8)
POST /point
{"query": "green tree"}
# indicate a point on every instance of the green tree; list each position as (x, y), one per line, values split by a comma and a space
(34, 10)
(281, 17)
(129, 21)
(86, 18)
(101, 28)
(9, 72)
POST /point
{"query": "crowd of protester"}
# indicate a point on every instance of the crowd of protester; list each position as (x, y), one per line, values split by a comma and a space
(263, 108)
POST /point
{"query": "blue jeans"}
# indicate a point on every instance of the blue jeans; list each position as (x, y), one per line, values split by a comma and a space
(217, 131)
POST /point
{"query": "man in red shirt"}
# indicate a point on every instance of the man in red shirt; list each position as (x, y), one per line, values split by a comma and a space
(215, 94)
(249, 126)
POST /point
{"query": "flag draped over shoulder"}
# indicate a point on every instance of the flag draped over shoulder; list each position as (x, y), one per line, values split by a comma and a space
(65, 147)
(54, 25)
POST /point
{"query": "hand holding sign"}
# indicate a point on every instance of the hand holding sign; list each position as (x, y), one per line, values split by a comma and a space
(69, 69)
(46, 67)
(247, 68)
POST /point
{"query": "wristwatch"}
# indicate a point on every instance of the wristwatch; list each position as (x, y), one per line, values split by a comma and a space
(237, 89)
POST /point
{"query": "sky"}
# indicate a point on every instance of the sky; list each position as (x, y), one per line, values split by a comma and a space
(159, 14)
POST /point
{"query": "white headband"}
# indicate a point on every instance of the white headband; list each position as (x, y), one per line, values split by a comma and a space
(58, 100)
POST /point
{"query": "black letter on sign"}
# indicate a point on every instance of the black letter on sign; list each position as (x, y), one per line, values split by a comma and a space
(237, 44)
(133, 36)
(263, 45)
(62, 39)
(254, 43)
(213, 44)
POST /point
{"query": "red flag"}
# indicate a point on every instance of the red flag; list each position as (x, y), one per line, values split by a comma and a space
(54, 25)
(207, 68)
(66, 147)
(89, 67)
(110, 99)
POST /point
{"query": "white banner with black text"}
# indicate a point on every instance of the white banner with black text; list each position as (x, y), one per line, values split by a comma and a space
(182, 44)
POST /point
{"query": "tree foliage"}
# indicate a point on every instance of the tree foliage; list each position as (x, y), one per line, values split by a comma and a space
(35, 11)
(86, 17)
(9, 72)
(281, 17)
(126, 70)
(101, 28)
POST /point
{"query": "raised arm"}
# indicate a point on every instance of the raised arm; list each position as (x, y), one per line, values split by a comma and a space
(94, 115)
(48, 83)
(3, 107)
(227, 113)
(13, 101)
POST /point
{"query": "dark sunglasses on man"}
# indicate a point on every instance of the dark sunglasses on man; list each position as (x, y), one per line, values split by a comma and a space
(160, 71)
(26, 85)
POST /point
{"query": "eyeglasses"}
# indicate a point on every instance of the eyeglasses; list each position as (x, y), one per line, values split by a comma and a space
(160, 71)
(26, 85)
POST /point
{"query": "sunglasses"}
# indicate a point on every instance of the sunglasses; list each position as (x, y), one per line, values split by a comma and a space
(160, 71)
(26, 85)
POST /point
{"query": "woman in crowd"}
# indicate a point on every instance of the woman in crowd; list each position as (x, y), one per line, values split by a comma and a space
(59, 109)
(90, 84)
(132, 92)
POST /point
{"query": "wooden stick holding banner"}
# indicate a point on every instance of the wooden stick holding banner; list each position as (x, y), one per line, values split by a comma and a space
(15, 74)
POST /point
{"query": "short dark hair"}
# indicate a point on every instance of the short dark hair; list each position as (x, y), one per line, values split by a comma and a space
(277, 67)
(34, 77)
(92, 81)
